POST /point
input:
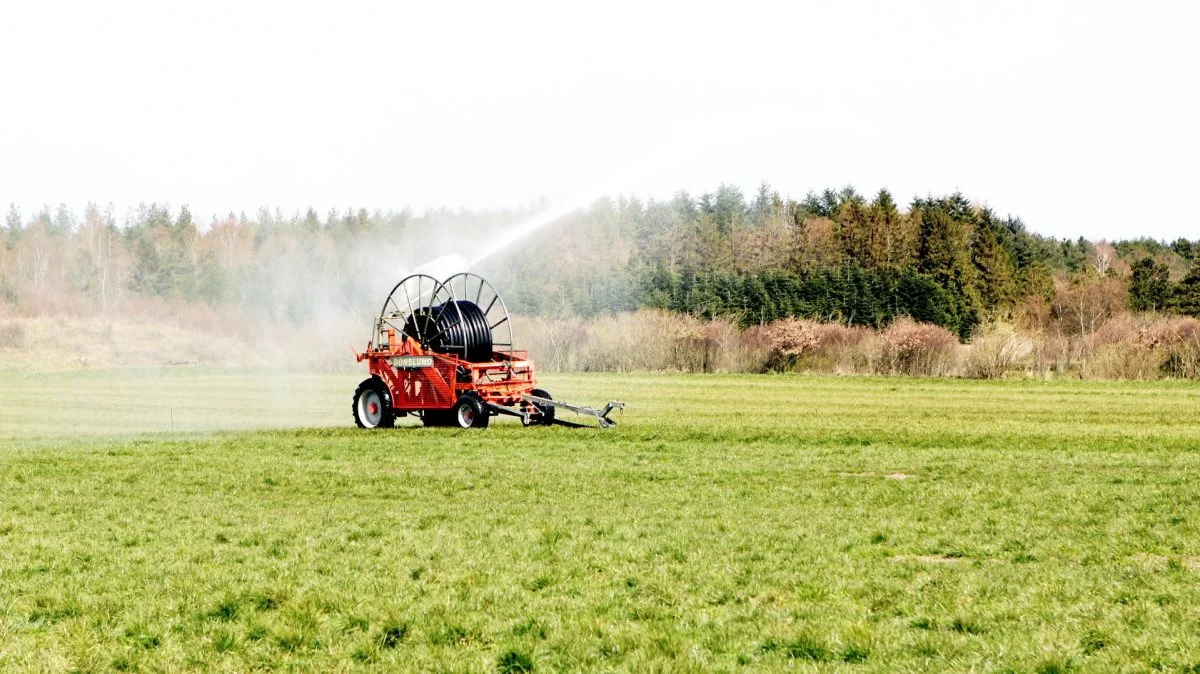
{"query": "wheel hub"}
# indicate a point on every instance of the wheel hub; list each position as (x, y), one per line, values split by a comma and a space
(371, 409)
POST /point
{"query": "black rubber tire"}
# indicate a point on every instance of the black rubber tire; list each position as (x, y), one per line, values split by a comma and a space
(545, 413)
(387, 418)
(469, 412)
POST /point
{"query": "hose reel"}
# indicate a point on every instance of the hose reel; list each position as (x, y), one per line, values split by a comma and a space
(456, 328)
(459, 316)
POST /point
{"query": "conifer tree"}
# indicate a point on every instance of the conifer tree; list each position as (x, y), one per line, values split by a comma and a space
(12, 225)
(1149, 285)
(1186, 296)
(996, 275)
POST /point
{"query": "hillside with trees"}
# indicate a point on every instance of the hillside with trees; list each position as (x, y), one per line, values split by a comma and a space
(833, 257)
(837, 256)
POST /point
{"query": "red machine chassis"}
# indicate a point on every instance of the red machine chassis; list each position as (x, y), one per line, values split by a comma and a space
(505, 381)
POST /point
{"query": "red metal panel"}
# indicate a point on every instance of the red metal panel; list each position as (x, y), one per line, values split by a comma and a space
(502, 382)
(420, 388)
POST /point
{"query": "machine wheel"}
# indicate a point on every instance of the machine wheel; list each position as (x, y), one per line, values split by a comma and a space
(545, 413)
(372, 405)
(469, 412)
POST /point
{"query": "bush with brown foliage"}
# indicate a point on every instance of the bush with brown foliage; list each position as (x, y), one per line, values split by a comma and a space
(807, 346)
(1124, 346)
(846, 349)
(995, 353)
(1142, 346)
(790, 339)
(919, 349)
(1177, 341)
(644, 340)
(1183, 357)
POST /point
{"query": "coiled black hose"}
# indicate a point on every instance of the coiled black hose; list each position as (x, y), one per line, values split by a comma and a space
(457, 328)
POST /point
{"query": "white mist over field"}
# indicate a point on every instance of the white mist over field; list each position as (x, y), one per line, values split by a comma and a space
(341, 305)
(473, 249)
(138, 374)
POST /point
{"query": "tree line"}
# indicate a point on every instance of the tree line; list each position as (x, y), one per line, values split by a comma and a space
(835, 255)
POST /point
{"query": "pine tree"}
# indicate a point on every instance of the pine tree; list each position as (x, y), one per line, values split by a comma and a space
(855, 233)
(12, 225)
(1186, 297)
(312, 222)
(996, 283)
(729, 207)
(184, 221)
(64, 222)
(889, 240)
(811, 206)
(944, 249)
(1184, 249)
(829, 203)
(1149, 286)
(683, 205)
(712, 242)
(149, 277)
(764, 200)
(944, 254)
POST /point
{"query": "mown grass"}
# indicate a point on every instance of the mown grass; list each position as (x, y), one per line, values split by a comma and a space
(730, 523)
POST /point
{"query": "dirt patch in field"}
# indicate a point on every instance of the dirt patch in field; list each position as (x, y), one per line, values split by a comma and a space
(889, 476)
(931, 559)
(942, 559)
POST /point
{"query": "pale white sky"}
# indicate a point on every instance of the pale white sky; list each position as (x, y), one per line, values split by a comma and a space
(1079, 117)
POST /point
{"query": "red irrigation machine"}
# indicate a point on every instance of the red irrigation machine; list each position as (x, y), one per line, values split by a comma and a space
(443, 351)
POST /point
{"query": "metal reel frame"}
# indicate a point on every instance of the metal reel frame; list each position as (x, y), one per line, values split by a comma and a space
(474, 288)
(412, 294)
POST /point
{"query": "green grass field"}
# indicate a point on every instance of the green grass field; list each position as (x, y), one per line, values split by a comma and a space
(729, 523)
